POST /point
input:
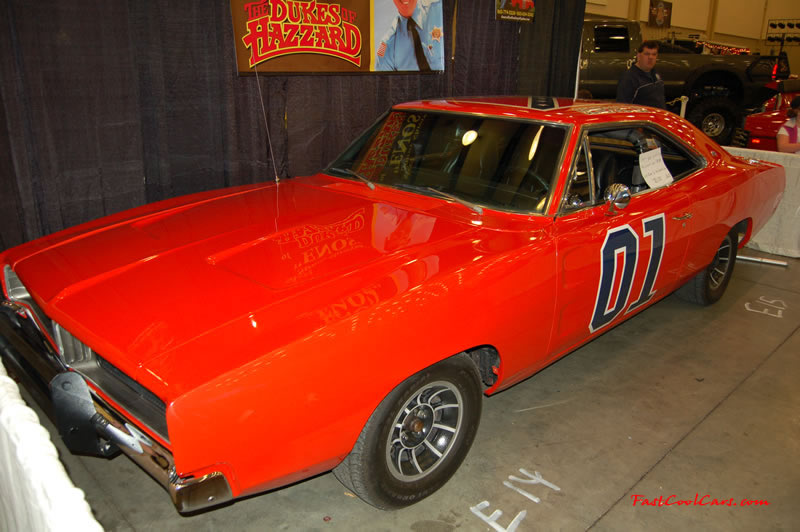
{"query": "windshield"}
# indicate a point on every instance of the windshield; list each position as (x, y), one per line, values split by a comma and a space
(499, 164)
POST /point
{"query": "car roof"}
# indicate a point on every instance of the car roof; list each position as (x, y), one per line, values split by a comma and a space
(551, 109)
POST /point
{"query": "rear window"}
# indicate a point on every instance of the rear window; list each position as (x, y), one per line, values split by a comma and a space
(611, 39)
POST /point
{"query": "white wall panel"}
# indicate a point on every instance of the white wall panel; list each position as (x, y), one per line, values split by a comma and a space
(737, 22)
(741, 18)
(780, 9)
(35, 491)
(608, 8)
(693, 14)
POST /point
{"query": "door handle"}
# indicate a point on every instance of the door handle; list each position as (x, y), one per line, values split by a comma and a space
(685, 216)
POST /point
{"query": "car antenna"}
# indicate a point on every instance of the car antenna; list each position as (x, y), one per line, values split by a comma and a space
(266, 125)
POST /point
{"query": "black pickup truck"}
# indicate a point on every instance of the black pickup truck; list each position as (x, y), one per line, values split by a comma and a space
(720, 88)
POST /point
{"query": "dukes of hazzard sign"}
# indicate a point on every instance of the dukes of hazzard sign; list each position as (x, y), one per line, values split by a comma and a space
(343, 36)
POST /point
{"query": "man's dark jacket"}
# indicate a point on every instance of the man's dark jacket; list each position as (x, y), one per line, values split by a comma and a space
(643, 88)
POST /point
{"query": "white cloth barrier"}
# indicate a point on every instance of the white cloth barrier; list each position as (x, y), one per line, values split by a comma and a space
(35, 492)
(781, 235)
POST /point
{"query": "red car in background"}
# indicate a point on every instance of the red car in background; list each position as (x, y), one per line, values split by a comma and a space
(761, 128)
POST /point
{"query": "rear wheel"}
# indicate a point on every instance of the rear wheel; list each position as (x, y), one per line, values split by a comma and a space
(417, 437)
(708, 286)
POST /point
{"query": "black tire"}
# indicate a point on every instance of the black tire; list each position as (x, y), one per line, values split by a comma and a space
(717, 117)
(393, 463)
(707, 287)
(740, 138)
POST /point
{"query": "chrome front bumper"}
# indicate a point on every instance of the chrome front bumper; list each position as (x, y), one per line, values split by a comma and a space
(87, 423)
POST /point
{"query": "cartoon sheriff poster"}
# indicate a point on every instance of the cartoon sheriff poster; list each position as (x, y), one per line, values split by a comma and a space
(408, 35)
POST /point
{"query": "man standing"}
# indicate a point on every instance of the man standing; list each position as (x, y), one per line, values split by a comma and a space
(640, 83)
(415, 40)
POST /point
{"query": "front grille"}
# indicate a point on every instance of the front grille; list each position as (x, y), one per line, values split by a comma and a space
(129, 394)
(126, 392)
(73, 352)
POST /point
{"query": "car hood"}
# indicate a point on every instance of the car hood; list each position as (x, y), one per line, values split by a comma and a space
(138, 285)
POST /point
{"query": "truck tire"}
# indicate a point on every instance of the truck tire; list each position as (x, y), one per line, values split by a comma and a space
(717, 117)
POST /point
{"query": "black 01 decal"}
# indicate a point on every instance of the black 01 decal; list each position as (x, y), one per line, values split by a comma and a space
(654, 229)
(624, 241)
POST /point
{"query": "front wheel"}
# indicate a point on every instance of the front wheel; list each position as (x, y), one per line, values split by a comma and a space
(417, 437)
(708, 286)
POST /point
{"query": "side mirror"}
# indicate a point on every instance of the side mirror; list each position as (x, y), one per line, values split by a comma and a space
(617, 196)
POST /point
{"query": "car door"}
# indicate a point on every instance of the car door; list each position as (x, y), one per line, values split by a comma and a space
(614, 261)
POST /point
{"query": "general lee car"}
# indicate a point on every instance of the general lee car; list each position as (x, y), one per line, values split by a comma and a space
(235, 341)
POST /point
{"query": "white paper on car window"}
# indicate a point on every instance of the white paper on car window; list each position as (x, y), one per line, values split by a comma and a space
(654, 171)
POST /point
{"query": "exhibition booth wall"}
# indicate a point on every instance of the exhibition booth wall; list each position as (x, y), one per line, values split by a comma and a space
(110, 105)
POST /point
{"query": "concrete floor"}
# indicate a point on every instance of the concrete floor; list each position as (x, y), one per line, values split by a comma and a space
(679, 402)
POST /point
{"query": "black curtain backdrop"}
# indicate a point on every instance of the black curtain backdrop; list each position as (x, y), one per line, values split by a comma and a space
(111, 104)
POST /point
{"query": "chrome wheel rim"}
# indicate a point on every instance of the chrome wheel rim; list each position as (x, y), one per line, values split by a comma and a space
(424, 431)
(721, 265)
(713, 124)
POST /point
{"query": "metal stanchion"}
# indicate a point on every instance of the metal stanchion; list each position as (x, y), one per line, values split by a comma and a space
(763, 261)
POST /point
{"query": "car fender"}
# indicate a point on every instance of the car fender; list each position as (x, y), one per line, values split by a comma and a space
(247, 413)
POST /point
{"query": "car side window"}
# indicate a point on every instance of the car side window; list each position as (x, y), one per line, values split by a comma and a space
(580, 190)
(616, 155)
